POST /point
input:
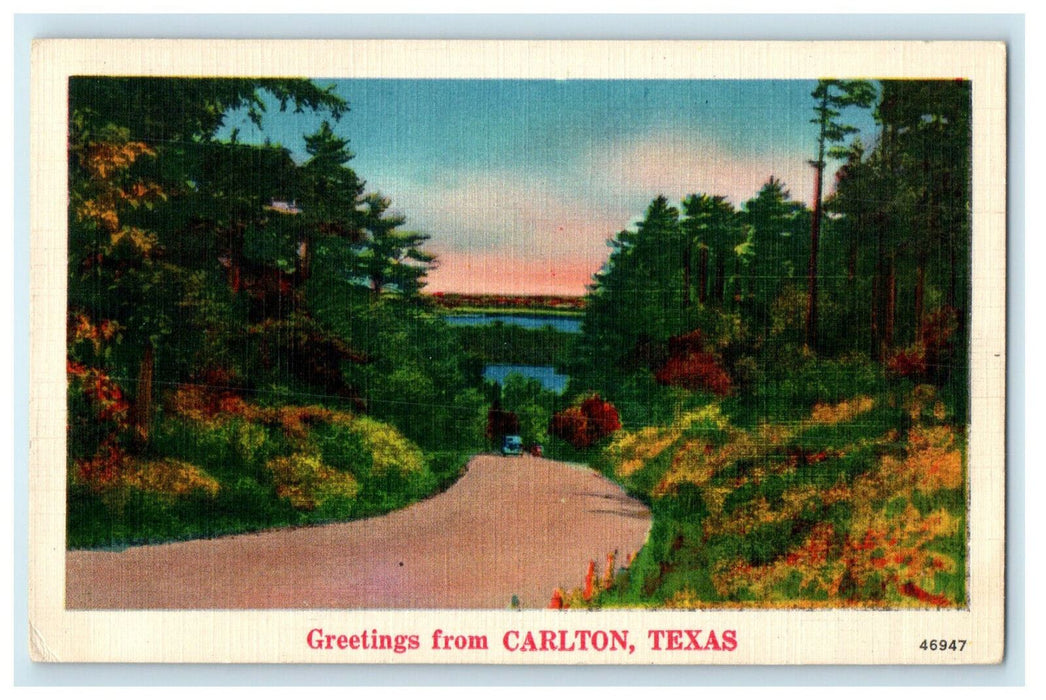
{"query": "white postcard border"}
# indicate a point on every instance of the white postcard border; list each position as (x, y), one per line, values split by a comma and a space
(764, 636)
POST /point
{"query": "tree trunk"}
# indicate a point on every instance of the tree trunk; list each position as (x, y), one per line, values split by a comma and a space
(877, 305)
(304, 259)
(687, 253)
(815, 234)
(891, 307)
(851, 263)
(143, 405)
(720, 279)
(702, 268)
(952, 275)
(920, 293)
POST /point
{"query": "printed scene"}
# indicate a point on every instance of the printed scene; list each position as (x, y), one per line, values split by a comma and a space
(500, 344)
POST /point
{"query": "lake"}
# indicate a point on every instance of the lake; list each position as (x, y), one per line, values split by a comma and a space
(536, 321)
(549, 378)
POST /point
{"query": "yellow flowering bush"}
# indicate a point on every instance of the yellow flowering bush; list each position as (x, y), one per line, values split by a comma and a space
(168, 476)
(841, 412)
(308, 483)
(630, 450)
(388, 446)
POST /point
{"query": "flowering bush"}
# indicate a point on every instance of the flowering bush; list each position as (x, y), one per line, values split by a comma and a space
(833, 510)
(927, 358)
(308, 483)
(690, 367)
(97, 407)
(389, 449)
(584, 425)
(571, 424)
(169, 477)
(630, 450)
(103, 468)
(83, 330)
(501, 423)
(603, 418)
(845, 411)
(696, 371)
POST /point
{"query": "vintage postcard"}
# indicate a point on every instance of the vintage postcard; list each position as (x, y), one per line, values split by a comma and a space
(518, 352)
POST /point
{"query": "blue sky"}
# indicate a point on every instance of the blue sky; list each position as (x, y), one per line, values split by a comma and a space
(520, 183)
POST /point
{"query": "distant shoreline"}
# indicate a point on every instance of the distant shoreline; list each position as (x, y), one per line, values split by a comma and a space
(508, 303)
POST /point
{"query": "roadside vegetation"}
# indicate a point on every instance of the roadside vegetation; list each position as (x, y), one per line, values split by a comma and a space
(792, 384)
(248, 345)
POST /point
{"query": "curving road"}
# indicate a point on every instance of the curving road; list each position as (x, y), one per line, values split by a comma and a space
(509, 526)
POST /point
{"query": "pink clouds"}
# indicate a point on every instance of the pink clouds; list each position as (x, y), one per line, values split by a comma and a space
(677, 165)
(509, 273)
(503, 232)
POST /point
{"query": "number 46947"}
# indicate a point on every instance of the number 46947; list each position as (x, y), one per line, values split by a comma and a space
(943, 645)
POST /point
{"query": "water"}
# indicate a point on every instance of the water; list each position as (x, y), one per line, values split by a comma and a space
(564, 324)
(547, 375)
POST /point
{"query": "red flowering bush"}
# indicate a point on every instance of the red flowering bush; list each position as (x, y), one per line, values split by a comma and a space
(501, 423)
(696, 371)
(571, 425)
(584, 425)
(603, 418)
(689, 366)
(97, 408)
(927, 357)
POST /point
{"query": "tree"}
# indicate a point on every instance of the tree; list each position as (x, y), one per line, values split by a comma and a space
(329, 191)
(696, 225)
(391, 259)
(775, 222)
(139, 155)
(638, 300)
(903, 206)
(930, 122)
(831, 96)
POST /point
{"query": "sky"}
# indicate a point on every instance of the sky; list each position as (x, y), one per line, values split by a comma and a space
(521, 183)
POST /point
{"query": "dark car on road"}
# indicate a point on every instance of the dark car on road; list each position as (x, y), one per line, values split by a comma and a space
(512, 445)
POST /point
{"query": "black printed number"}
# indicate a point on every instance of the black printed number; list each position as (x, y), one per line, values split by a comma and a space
(943, 645)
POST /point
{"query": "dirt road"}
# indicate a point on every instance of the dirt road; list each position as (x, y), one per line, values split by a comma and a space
(510, 526)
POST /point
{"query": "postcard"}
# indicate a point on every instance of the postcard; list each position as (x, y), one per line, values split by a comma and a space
(517, 352)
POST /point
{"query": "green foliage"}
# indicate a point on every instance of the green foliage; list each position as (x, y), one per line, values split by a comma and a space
(346, 449)
(791, 388)
(266, 477)
(506, 343)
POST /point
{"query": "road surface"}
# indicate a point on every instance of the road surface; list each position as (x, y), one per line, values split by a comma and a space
(511, 526)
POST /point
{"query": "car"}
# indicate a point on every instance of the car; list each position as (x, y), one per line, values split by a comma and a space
(512, 445)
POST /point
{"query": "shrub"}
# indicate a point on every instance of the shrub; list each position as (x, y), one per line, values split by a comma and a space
(344, 449)
(169, 477)
(584, 425)
(571, 425)
(927, 359)
(689, 367)
(308, 483)
(603, 418)
(696, 371)
(389, 449)
(98, 420)
(501, 423)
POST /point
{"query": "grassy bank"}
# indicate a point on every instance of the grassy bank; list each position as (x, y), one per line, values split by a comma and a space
(227, 466)
(860, 503)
